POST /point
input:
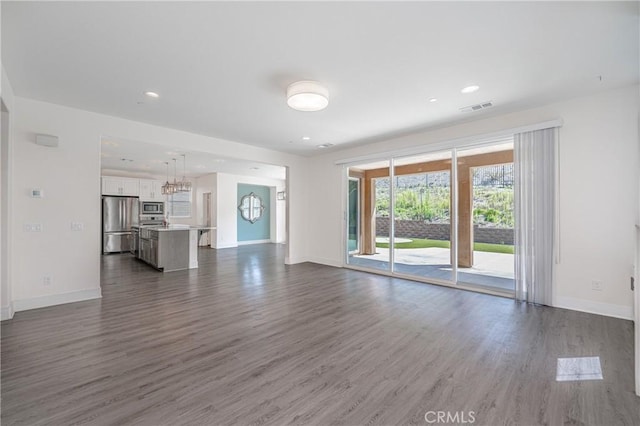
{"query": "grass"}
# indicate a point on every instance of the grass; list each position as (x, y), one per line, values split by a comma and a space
(420, 243)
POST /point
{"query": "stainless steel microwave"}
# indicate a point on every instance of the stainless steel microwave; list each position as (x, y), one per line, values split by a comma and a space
(152, 207)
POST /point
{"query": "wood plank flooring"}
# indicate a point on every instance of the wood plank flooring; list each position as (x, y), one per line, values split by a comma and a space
(247, 340)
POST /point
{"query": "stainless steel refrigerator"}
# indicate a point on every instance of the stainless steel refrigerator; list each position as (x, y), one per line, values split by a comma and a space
(119, 214)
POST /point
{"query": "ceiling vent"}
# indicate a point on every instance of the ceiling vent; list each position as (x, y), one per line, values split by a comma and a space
(477, 107)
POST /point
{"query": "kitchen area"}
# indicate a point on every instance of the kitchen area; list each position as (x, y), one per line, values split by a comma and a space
(135, 220)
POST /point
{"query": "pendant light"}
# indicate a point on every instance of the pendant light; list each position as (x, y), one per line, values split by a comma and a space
(184, 185)
(175, 175)
(168, 188)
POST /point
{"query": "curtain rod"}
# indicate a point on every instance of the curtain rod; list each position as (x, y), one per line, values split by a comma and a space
(451, 143)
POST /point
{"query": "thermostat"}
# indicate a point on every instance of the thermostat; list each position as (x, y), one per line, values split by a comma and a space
(37, 193)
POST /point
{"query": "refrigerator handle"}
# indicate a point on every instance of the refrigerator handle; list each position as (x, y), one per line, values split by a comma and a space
(122, 213)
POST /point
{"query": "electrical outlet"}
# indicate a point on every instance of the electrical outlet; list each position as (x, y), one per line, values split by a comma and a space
(597, 285)
(47, 280)
(77, 226)
(32, 227)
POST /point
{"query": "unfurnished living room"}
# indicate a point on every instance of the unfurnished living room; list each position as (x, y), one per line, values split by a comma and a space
(323, 213)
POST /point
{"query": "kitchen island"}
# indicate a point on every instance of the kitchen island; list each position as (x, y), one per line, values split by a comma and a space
(170, 248)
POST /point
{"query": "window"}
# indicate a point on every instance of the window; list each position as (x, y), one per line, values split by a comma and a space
(179, 204)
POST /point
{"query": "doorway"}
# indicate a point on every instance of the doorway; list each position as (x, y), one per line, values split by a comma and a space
(205, 239)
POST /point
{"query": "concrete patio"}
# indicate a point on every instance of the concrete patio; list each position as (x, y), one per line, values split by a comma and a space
(491, 270)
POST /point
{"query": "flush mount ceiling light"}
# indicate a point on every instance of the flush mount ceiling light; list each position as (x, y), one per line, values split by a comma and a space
(152, 94)
(433, 100)
(307, 96)
(470, 89)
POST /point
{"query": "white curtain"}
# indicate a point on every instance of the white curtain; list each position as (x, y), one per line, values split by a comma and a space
(535, 169)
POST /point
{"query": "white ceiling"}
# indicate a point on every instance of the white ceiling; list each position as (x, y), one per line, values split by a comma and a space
(120, 157)
(222, 68)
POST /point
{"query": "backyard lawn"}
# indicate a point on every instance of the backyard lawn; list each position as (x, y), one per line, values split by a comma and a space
(420, 243)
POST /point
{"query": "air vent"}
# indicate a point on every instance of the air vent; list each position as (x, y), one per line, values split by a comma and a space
(477, 107)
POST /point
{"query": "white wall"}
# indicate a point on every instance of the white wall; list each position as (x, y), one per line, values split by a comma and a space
(6, 155)
(226, 234)
(598, 199)
(70, 178)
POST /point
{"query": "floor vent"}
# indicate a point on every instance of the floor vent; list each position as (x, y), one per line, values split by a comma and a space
(477, 107)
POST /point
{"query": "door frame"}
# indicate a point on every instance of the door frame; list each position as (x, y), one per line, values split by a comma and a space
(453, 148)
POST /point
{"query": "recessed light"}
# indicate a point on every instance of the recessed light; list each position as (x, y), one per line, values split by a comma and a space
(306, 138)
(470, 89)
(433, 100)
(325, 145)
(152, 94)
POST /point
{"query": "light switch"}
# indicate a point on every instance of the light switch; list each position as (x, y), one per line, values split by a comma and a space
(32, 227)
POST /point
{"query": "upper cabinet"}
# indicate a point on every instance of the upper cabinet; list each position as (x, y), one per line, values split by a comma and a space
(151, 190)
(112, 185)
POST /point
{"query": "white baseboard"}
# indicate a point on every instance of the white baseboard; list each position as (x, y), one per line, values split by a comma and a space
(6, 312)
(600, 308)
(224, 246)
(326, 261)
(56, 299)
(294, 260)
(246, 243)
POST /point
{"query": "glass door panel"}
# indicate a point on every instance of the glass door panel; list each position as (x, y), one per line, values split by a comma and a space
(422, 216)
(486, 217)
(368, 215)
(353, 216)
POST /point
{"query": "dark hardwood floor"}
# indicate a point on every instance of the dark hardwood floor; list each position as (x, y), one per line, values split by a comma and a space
(247, 340)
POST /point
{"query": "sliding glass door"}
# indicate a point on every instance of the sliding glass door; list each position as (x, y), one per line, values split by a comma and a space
(486, 217)
(368, 223)
(353, 216)
(422, 217)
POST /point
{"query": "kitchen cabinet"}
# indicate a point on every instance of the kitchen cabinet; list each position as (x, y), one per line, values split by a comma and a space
(167, 250)
(151, 190)
(170, 248)
(112, 185)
